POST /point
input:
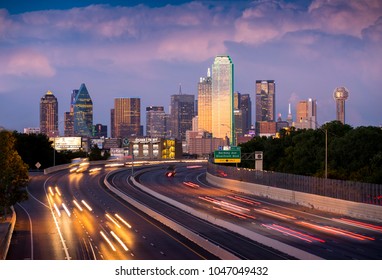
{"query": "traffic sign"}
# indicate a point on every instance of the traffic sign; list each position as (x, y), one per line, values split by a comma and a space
(228, 156)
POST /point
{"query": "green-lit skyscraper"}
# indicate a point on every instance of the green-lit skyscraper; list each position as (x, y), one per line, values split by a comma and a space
(222, 99)
(83, 113)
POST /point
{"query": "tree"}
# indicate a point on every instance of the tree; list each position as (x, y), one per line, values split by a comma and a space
(13, 173)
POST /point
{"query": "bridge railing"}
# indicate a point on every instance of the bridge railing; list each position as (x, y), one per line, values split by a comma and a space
(346, 190)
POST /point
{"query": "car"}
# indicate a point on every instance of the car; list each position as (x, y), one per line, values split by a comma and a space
(170, 171)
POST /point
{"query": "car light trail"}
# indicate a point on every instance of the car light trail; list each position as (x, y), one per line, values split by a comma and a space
(119, 241)
(58, 191)
(337, 231)
(123, 221)
(209, 199)
(73, 169)
(239, 215)
(51, 191)
(191, 185)
(234, 213)
(245, 200)
(66, 209)
(225, 204)
(194, 166)
(359, 224)
(108, 241)
(77, 205)
(57, 210)
(112, 220)
(290, 232)
(95, 169)
(86, 205)
(275, 214)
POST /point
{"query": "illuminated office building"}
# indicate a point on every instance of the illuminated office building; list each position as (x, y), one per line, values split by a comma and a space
(242, 113)
(265, 100)
(246, 109)
(182, 112)
(222, 98)
(306, 114)
(69, 116)
(205, 103)
(83, 113)
(127, 117)
(49, 115)
(155, 121)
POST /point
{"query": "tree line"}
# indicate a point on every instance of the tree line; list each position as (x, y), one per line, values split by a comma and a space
(353, 154)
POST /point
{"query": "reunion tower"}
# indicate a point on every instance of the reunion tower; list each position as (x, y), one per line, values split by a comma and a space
(340, 94)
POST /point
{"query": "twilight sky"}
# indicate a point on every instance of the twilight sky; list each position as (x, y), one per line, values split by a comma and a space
(147, 48)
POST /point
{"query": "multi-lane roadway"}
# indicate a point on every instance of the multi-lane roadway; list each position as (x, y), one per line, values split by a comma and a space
(73, 215)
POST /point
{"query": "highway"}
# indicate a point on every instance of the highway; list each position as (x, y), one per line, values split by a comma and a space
(73, 216)
(325, 235)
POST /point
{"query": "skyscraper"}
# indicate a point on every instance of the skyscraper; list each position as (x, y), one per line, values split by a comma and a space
(127, 117)
(306, 114)
(155, 121)
(182, 112)
(205, 103)
(69, 116)
(222, 98)
(340, 94)
(49, 115)
(265, 100)
(246, 109)
(83, 113)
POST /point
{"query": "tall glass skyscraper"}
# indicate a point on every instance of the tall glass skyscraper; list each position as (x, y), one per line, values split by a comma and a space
(222, 98)
(205, 103)
(83, 113)
(127, 117)
(49, 115)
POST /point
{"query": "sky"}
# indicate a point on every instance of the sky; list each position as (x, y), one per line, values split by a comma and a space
(147, 49)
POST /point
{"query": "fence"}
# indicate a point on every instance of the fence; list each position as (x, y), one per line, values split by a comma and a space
(346, 190)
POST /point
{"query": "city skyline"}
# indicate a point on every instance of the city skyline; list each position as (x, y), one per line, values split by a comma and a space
(308, 47)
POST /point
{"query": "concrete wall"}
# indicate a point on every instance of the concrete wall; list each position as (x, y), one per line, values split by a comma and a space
(6, 231)
(353, 209)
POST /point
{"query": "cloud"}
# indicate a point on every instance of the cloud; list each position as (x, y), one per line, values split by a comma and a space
(28, 63)
(345, 16)
(139, 50)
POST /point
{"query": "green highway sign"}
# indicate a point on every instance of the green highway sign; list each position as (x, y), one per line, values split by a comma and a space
(228, 156)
